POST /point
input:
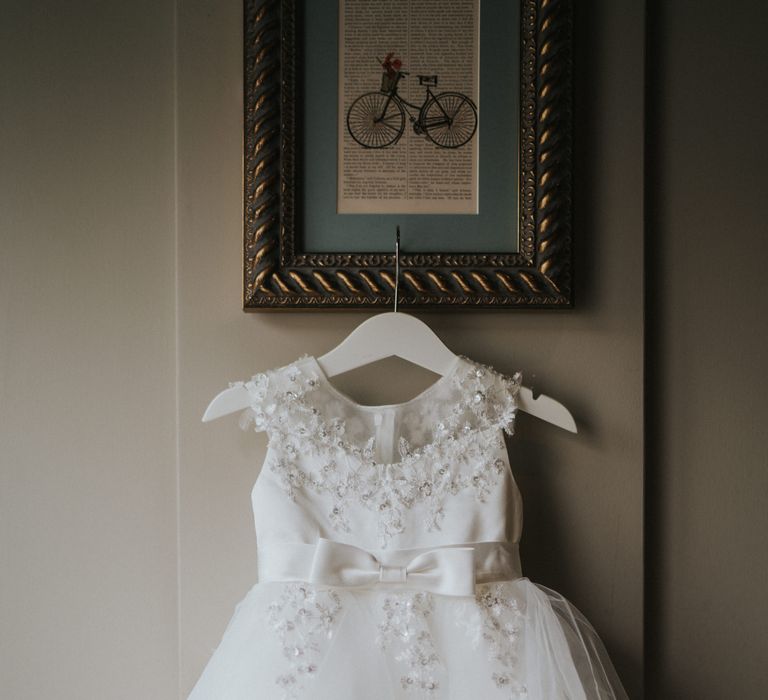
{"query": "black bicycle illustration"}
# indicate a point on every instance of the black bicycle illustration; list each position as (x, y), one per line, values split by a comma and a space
(377, 119)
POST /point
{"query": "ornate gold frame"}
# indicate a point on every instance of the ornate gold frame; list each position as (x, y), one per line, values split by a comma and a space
(278, 276)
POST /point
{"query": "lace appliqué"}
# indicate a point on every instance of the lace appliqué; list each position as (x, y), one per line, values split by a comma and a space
(405, 632)
(460, 454)
(261, 409)
(304, 619)
(494, 619)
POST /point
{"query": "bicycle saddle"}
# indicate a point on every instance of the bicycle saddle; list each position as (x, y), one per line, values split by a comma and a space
(427, 79)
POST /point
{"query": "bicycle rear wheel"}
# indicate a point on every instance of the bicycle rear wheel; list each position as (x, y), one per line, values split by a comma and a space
(449, 119)
(375, 120)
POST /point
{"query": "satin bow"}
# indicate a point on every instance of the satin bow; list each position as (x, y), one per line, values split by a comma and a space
(445, 570)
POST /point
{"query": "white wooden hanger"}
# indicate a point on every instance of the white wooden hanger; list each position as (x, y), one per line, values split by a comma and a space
(401, 335)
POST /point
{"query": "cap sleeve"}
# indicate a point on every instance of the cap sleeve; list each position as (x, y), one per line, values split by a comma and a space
(508, 388)
(489, 397)
(261, 402)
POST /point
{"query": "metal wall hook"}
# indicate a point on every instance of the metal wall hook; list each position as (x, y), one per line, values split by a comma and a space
(397, 265)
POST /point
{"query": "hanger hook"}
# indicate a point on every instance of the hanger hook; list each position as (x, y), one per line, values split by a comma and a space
(397, 265)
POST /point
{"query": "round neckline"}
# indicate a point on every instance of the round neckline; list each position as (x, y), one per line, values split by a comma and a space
(328, 384)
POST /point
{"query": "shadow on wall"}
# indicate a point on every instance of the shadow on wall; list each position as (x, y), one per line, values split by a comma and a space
(545, 553)
(548, 556)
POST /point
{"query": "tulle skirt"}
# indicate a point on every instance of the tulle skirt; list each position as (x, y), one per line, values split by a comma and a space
(514, 639)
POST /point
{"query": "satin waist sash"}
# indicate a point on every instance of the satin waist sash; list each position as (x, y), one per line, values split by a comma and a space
(447, 570)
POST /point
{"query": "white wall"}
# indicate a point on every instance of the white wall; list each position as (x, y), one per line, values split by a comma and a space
(87, 367)
(94, 331)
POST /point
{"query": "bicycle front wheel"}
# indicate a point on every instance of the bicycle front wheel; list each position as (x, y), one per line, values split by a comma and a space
(449, 119)
(375, 120)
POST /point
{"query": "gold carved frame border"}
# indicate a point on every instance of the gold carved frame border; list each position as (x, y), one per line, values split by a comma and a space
(278, 276)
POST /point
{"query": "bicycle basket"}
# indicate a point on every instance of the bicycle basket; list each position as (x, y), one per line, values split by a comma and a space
(388, 82)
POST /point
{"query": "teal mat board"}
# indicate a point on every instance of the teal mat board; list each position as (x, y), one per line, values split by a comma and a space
(493, 230)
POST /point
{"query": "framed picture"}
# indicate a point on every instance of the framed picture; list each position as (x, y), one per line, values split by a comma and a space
(451, 121)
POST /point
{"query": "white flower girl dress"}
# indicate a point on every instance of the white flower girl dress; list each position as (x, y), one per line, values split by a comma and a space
(388, 555)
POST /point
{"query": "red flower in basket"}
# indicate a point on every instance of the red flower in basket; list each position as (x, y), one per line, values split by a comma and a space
(391, 65)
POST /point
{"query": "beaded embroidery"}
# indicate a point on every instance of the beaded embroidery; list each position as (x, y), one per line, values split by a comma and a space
(405, 631)
(494, 617)
(461, 453)
(304, 619)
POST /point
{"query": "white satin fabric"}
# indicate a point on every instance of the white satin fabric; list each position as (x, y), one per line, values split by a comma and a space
(447, 570)
(388, 555)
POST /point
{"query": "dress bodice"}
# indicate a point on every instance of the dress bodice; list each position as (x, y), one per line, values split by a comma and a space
(427, 472)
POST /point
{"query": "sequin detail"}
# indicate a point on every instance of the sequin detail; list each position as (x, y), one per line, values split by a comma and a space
(404, 632)
(494, 619)
(304, 619)
(461, 444)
